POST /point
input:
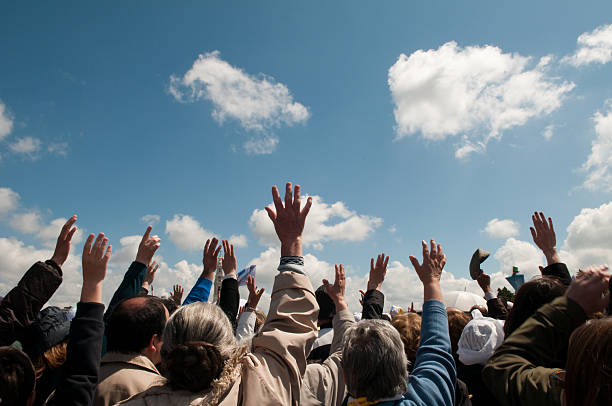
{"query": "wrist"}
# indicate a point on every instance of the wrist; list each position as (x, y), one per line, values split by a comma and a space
(291, 248)
(250, 307)
(208, 274)
(142, 260)
(91, 292)
(57, 261)
(432, 290)
(341, 305)
(145, 284)
(374, 286)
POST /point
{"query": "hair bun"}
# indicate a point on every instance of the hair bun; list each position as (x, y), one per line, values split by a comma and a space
(193, 365)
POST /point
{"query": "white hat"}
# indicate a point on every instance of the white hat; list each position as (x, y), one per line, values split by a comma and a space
(479, 339)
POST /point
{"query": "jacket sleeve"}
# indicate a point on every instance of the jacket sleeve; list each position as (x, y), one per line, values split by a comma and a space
(432, 380)
(373, 304)
(496, 308)
(229, 300)
(520, 372)
(560, 271)
(130, 286)
(289, 331)
(21, 305)
(80, 375)
(200, 291)
(246, 326)
(323, 384)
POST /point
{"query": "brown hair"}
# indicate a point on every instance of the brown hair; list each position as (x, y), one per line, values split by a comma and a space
(260, 319)
(530, 297)
(53, 358)
(588, 380)
(457, 320)
(16, 376)
(409, 327)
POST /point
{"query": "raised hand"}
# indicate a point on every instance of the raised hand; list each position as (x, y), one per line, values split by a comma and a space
(336, 291)
(544, 237)
(289, 219)
(177, 294)
(430, 271)
(211, 252)
(229, 259)
(62, 247)
(95, 260)
(254, 293)
(588, 287)
(150, 275)
(377, 272)
(147, 247)
(484, 281)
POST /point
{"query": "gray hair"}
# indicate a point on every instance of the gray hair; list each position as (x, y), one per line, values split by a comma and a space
(374, 361)
(200, 321)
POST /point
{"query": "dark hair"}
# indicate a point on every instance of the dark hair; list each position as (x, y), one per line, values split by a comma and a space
(170, 305)
(530, 297)
(457, 321)
(16, 377)
(133, 322)
(327, 308)
(588, 380)
(192, 366)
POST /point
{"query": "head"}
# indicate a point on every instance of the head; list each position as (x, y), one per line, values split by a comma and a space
(374, 361)
(408, 325)
(170, 304)
(327, 308)
(457, 320)
(530, 297)
(17, 379)
(479, 340)
(136, 325)
(588, 380)
(482, 309)
(260, 319)
(198, 339)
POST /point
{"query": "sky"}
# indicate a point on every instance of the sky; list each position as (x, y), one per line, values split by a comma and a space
(403, 120)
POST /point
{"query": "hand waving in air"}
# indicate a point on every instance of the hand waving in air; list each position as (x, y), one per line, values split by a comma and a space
(254, 293)
(211, 252)
(62, 247)
(336, 291)
(177, 294)
(430, 271)
(289, 220)
(378, 272)
(147, 247)
(229, 264)
(544, 237)
(150, 275)
(95, 260)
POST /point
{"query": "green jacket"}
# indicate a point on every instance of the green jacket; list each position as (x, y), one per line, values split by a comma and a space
(523, 371)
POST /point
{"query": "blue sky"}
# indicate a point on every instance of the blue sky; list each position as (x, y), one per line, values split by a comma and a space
(100, 128)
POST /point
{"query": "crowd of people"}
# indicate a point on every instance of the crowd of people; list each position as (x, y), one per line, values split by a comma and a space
(551, 346)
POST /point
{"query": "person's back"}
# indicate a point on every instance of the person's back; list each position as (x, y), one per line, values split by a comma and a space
(134, 340)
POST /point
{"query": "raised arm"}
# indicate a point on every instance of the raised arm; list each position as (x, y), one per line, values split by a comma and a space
(21, 305)
(149, 278)
(373, 300)
(80, 371)
(543, 233)
(522, 370)
(496, 308)
(201, 290)
(229, 300)
(246, 324)
(434, 366)
(290, 327)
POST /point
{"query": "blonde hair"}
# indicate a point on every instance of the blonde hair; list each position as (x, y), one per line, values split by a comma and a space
(53, 358)
(408, 326)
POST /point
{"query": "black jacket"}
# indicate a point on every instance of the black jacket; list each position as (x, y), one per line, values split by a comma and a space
(229, 301)
(373, 304)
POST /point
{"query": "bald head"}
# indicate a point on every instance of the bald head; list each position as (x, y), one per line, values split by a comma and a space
(134, 322)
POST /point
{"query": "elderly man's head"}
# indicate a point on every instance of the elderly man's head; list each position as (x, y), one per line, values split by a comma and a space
(374, 362)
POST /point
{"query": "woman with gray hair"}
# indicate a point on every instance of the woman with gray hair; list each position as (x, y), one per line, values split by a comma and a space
(201, 360)
(373, 358)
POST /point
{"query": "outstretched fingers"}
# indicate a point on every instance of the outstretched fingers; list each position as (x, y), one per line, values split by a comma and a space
(288, 195)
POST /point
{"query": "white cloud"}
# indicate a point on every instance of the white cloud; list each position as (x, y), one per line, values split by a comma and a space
(28, 223)
(238, 241)
(325, 222)
(497, 228)
(27, 146)
(477, 92)
(258, 103)
(9, 200)
(150, 219)
(589, 238)
(599, 161)
(548, 132)
(526, 256)
(48, 234)
(187, 233)
(262, 145)
(6, 122)
(593, 47)
(58, 148)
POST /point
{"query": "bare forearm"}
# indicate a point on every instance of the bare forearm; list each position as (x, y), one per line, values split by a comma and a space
(292, 248)
(431, 290)
(552, 257)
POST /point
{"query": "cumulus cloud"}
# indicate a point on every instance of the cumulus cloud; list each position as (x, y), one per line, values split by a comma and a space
(476, 92)
(325, 222)
(187, 233)
(548, 132)
(599, 161)
(522, 254)
(31, 222)
(593, 47)
(29, 146)
(151, 219)
(257, 103)
(27, 223)
(497, 228)
(6, 122)
(261, 145)
(238, 241)
(9, 200)
(589, 238)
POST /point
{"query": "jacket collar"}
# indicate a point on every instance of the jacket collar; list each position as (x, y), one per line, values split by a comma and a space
(138, 360)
